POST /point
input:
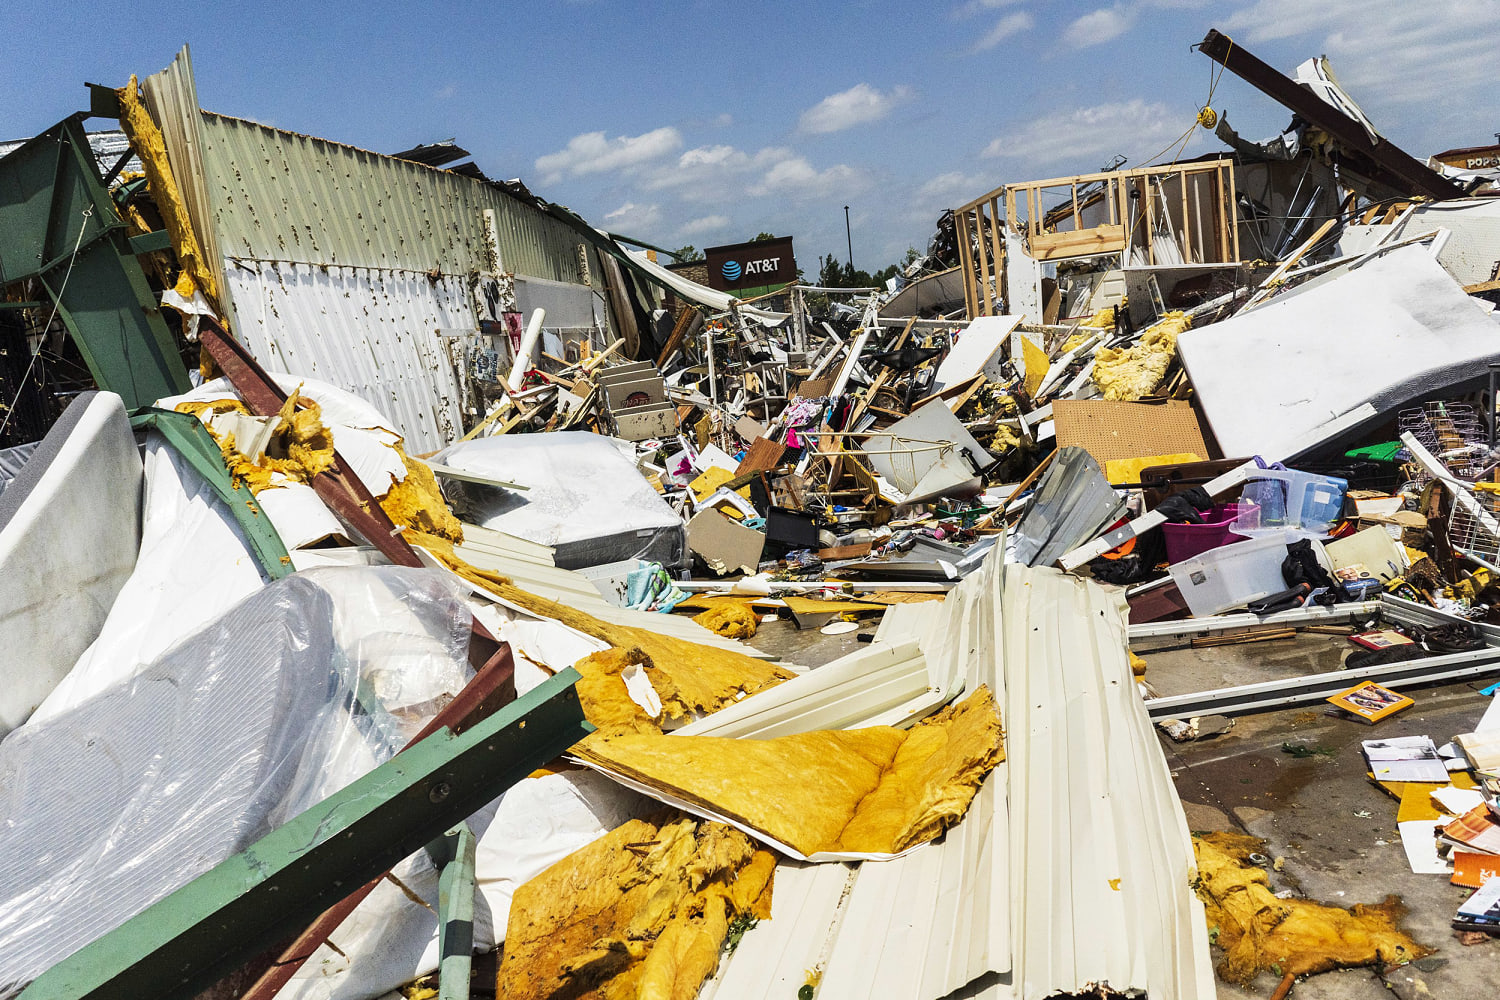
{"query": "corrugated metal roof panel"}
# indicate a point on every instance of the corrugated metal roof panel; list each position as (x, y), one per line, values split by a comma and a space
(882, 678)
(1101, 858)
(371, 332)
(1072, 867)
(924, 924)
(278, 195)
(172, 98)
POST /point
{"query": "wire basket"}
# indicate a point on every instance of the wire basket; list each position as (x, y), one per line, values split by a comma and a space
(1454, 432)
(1474, 525)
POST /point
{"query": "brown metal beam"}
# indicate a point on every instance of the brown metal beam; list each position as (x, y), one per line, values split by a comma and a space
(339, 488)
(1383, 162)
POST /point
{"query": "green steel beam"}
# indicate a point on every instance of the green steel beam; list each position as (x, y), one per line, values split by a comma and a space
(186, 434)
(180, 945)
(59, 225)
(455, 912)
(150, 242)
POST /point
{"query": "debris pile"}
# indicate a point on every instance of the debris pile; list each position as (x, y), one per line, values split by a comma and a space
(432, 641)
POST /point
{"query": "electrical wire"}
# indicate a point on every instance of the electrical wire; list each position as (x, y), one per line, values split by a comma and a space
(56, 303)
(1205, 118)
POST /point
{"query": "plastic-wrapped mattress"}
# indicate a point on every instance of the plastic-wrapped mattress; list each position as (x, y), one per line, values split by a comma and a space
(129, 795)
(584, 497)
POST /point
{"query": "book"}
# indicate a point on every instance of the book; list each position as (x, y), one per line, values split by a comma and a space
(1484, 905)
(1380, 639)
(1482, 750)
(1472, 869)
(1405, 758)
(1475, 830)
(1369, 702)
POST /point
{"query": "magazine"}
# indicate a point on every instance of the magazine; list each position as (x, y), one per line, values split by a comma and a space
(1406, 758)
(1369, 702)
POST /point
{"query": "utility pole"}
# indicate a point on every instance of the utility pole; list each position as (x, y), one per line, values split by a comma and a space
(849, 237)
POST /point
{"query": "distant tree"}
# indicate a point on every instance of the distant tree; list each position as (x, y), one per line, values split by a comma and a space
(687, 253)
(762, 237)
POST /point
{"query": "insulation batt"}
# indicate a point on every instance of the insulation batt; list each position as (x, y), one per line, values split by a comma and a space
(879, 790)
(640, 914)
(1129, 373)
(1257, 930)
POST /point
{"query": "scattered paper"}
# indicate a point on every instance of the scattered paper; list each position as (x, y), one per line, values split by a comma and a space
(1406, 758)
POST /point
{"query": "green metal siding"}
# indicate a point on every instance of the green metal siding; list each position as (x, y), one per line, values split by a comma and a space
(283, 196)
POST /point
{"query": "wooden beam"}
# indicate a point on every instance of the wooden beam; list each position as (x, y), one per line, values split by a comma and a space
(1084, 243)
(680, 332)
(984, 268)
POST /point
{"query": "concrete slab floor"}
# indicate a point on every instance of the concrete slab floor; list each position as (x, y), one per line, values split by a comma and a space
(1335, 829)
(809, 647)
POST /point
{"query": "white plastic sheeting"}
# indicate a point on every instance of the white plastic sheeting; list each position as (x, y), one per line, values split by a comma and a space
(131, 794)
(69, 531)
(378, 333)
(1386, 333)
(363, 436)
(194, 565)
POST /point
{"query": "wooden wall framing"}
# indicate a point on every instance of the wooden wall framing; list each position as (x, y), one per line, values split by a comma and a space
(1095, 218)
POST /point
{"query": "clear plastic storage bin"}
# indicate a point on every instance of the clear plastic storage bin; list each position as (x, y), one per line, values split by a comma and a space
(1232, 575)
(1277, 500)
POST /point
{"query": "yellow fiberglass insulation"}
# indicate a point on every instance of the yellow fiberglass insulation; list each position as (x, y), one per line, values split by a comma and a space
(642, 913)
(1258, 931)
(601, 690)
(691, 679)
(300, 446)
(878, 790)
(732, 619)
(146, 140)
(417, 503)
(1130, 373)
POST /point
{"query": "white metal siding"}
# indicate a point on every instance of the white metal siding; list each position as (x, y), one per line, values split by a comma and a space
(372, 332)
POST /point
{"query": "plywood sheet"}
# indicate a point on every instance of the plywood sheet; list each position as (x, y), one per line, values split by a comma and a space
(1112, 430)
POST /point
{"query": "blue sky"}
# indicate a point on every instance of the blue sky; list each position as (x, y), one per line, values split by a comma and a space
(707, 123)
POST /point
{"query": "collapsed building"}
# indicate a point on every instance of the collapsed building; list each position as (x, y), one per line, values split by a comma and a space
(352, 502)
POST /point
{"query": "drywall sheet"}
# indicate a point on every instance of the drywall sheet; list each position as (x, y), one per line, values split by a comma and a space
(1110, 430)
(1385, 333)
(977, 349)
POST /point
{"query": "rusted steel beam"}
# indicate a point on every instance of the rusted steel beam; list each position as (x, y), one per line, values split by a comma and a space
(1383, 162)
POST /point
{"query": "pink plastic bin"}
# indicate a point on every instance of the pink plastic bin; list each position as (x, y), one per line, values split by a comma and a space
(1187, 540)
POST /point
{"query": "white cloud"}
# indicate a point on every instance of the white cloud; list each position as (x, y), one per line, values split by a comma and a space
(723, 120)
(1391, 55)
(858, 105)
(1010, 24)
(1135, 128)
(980, 6)
(634, 218)
(707, 224)
(704, 172)
(1099, 27)
(797, 178)
(954, 187)
(443, 93)
(592, 153)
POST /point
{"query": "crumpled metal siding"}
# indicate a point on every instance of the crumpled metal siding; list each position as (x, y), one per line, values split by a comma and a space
(1101, 858)
(1072, 868)
(284, 196)
(373, 332)
(922, 925)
